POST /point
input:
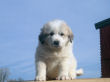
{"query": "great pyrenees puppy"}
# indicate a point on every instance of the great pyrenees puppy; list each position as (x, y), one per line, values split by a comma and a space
(54, 58)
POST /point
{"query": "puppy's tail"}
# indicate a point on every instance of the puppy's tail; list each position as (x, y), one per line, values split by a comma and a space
(79, 72)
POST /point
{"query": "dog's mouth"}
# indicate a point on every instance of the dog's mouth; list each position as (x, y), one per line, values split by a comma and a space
(56, 46)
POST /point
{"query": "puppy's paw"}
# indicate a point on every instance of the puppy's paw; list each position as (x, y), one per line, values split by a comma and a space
(73, 76)
(63, 77)
(40, 78)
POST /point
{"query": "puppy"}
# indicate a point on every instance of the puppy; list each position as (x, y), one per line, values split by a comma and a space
(54, 58)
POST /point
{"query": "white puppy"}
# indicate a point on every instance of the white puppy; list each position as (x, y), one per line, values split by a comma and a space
(54, 58)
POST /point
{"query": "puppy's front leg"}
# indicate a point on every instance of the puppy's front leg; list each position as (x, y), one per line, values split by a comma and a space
(40, 71)
(63, 71)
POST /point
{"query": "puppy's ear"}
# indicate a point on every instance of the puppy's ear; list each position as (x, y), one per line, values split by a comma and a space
(42, 37)
(69, 32)
(70, 36)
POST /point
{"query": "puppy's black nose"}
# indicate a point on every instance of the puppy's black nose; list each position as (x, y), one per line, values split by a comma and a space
(56, 43)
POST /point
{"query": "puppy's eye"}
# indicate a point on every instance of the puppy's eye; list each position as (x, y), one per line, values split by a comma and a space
(51, 34)
(62, 34)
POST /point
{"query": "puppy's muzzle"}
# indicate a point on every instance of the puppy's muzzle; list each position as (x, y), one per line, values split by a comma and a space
(56, 43)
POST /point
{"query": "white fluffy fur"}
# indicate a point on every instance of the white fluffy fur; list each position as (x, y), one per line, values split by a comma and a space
(53, 63)
(56, 23)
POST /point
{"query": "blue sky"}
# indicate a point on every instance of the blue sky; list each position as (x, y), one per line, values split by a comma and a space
(21, 21)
